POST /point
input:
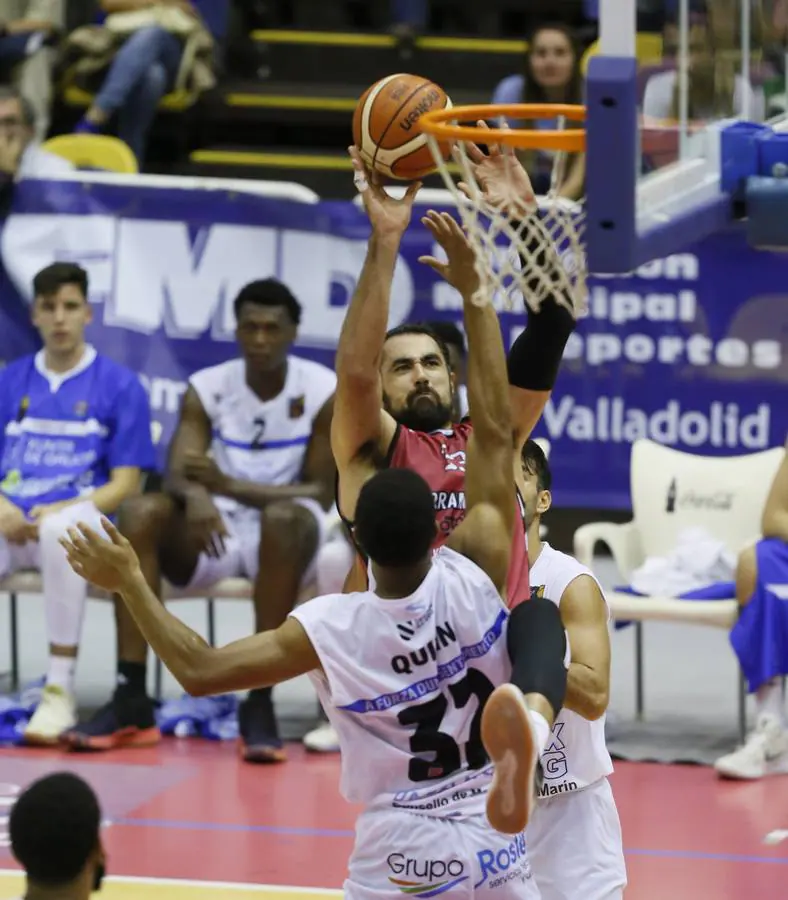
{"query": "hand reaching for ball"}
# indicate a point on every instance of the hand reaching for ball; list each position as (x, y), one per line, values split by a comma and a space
(502, 181)
(389, 216)
(459, 270)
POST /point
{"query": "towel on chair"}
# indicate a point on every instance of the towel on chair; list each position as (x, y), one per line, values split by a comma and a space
(698, 560)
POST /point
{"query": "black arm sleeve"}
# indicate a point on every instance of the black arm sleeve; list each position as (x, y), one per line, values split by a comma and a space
(6, 194)
(535, 357)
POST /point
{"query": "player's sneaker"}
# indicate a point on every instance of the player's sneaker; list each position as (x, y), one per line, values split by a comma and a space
(765, 752)
(259, 740)
(56, 712)
(511, 744)
(126, 721)
(322, 739)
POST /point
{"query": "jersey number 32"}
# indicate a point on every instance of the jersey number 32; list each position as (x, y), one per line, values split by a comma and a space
(429, 739)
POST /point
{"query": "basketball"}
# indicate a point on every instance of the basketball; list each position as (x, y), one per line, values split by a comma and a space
(386, 126)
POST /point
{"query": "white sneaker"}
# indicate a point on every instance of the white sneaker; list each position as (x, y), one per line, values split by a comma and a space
(55, 714)
(510, 741)
(322, 739)
(764, 753)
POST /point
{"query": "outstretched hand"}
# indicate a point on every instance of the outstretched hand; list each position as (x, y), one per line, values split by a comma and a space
(460, 269)
(109, 563)
(389, 216)
(503, 182)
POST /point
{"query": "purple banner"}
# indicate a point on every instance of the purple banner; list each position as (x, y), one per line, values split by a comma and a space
(691, 350)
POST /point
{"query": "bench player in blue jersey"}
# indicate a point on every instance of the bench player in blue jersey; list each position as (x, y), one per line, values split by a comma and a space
(760, 640)
(75, 434)
(255, 507)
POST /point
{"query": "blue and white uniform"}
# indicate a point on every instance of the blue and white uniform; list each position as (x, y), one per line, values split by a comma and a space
(62, 435)
(403, 682)
(258, 440)
(574, 835)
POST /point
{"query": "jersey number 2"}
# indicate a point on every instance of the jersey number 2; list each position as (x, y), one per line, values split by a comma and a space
(428, 738)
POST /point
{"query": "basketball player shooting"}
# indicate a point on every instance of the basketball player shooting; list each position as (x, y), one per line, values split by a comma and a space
(406, 371)
(404, 672)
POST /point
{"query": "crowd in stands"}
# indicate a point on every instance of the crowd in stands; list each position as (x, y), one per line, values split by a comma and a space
(129, 59)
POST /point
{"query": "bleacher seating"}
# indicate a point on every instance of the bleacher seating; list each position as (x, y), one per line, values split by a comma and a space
(291, 74)
(296, 124)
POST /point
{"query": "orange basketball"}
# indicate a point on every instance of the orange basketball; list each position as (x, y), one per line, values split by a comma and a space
(386, 126)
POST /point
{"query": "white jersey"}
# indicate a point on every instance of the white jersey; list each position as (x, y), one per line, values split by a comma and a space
(576, 755)
(404, 682)
(257, 440)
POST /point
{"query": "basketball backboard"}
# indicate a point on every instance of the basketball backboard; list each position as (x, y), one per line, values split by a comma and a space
(656, 120)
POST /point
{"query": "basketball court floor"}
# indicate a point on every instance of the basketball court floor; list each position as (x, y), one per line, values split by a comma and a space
(188, 819)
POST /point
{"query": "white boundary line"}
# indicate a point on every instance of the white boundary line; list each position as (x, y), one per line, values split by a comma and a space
(221, 885)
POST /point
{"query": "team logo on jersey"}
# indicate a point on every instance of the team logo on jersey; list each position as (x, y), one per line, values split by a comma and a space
(23, 407)
(81, 408)
(425, 877)
(455, 462)
(404, 664)
(408, 629)
(297, 406)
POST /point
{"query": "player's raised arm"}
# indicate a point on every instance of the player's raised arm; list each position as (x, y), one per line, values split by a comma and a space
(360, 425)
(535, 356)
(485, 535)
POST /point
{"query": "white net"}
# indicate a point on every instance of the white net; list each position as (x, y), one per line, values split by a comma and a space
(527, 248)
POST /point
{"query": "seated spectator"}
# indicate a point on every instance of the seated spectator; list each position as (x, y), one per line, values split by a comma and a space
(26, 58)
(552, 75)
(21, 156)
(145, 62)
(55, 832)
(715, 90)
(760, 639)
(75, 434)
(250, 477)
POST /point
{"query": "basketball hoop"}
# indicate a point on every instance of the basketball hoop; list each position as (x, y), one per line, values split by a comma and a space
(526, 246)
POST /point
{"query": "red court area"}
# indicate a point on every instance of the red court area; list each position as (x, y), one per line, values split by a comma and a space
(191, 809)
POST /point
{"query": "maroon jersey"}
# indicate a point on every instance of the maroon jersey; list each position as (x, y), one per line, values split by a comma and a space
(439, 457)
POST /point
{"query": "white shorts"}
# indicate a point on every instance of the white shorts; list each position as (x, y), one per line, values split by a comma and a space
(242, 546)
(400, 854)
(575, 847)
(16, 557)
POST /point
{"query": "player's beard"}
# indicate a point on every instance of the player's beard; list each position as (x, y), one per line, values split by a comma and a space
(419, 414)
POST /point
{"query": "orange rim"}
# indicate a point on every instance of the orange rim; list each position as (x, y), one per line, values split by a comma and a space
(573, 140)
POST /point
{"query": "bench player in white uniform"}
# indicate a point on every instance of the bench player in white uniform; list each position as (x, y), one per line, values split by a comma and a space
(254, 507)
(404, 673)
(574, 836)
(75, 438)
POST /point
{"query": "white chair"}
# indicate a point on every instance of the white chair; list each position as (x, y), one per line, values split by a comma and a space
(672, 491)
